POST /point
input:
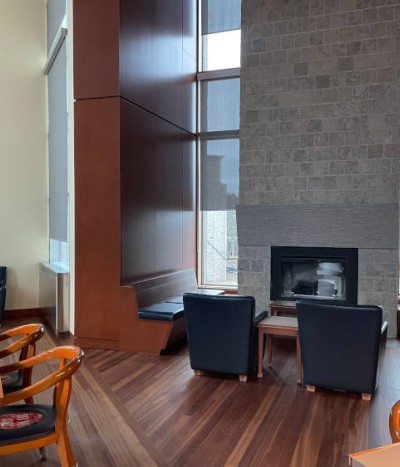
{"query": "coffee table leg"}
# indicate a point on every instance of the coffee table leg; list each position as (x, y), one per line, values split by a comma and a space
(261, 337)
(298, 359)
(269, 349)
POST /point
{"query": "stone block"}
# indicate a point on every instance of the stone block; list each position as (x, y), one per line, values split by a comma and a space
(300, 69)
(354, 18)
(323, 81)
(386, 13)
(306, 140)
(370, 15)
(309, 24)
(287, 42)
(294, 25)
(345, 63)
(322, 139)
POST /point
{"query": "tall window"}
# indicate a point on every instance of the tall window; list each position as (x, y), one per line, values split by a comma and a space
(218, 79)
(56, 71)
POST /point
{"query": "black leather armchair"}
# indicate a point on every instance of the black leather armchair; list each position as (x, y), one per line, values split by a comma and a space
(221, 333)
(341, 345)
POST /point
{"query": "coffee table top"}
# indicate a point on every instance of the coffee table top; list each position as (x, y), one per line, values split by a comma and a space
(278, 321)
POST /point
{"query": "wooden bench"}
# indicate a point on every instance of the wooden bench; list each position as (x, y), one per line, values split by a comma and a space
(152, 311)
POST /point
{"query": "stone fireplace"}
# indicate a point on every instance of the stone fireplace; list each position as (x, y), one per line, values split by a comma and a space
(320, 134)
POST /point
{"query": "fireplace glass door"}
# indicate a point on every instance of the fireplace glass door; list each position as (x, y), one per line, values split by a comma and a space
(319, 279)
(318, 273)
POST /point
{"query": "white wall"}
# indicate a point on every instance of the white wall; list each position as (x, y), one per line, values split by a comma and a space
(23, 172)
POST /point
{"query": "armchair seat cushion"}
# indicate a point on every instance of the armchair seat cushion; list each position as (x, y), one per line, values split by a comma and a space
(34, 420)
(12, 381)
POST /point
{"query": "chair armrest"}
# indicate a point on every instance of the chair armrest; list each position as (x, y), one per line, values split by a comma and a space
(260, 316)
(384, 327)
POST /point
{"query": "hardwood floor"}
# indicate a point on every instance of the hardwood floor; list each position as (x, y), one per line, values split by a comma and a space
(140, 410)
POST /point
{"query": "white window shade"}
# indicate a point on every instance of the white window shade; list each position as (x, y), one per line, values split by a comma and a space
(220, 15)
(220, 100)
(58, 147)
(56, 10)
(219, 174)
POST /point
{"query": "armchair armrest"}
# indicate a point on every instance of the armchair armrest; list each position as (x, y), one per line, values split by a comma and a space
(260, 316)
(45, 383)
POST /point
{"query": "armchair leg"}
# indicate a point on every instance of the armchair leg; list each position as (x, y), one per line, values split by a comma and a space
(366, 397)
(43, 453)
(310, 388)
(198, 372)
(65, 453)
(242, 378)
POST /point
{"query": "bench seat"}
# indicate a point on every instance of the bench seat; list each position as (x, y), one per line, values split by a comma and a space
(162, 311)
(179, 298)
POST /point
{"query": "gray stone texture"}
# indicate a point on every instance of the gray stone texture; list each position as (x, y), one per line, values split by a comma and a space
(320, 125)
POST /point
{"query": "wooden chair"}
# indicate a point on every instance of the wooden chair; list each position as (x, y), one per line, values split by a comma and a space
(29, 334)
(394, 422)
(39, 424)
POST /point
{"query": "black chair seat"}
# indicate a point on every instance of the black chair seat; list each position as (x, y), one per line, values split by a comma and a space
(22, 415)
(162, 311)
(12, 381)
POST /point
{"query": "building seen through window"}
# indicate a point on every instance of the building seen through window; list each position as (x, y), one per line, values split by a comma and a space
(219, 103)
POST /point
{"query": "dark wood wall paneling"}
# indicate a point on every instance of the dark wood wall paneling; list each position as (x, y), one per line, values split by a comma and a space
(142, 55)
(97, 218)
(158, 58)
(97, 172)
(96, 48)
(158, 67)
(157, 196)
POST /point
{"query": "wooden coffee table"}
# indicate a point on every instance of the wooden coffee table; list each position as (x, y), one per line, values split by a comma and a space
(277, 326)
(283, 306)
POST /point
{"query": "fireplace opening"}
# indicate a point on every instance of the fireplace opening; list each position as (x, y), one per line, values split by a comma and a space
(314, 273)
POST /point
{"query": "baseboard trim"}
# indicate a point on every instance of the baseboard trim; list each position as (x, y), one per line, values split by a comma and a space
(91, 343)
(23, 312)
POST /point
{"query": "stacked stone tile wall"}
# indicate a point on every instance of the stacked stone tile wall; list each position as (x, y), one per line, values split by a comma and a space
(320, 121)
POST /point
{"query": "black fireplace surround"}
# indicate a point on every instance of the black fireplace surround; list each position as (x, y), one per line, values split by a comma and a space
(314, 273)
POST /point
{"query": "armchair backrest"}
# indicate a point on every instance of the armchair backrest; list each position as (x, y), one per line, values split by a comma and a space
(340, 344)
(66, 359)
(23, 340)
(3, 276)
(27, 334)
(220, 332)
